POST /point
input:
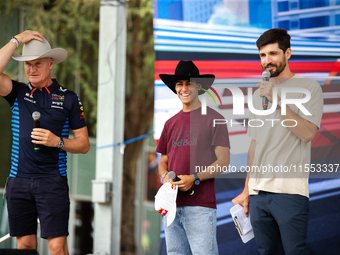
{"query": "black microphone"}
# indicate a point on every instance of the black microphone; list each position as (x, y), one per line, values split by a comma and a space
(265, 77)
(174, 177)
(36, 124)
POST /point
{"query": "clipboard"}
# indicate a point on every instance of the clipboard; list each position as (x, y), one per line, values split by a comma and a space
(242, 223)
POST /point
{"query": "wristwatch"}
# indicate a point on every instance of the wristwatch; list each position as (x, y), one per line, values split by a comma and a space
(197, 180)
(61, 143)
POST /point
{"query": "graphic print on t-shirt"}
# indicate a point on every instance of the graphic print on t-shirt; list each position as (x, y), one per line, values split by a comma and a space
(185, 135)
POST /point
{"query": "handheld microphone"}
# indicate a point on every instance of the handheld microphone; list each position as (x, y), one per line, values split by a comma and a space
(36, 124)
(174, 177)
(265, 77)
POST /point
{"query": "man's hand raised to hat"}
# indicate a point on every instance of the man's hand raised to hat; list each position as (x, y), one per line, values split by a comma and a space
(6, 53)
(29, 35)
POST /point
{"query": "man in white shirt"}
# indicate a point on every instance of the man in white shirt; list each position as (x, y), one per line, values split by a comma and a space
(276, 190)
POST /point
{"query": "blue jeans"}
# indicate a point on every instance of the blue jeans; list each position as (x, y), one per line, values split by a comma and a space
(280, 223)
(192, 232)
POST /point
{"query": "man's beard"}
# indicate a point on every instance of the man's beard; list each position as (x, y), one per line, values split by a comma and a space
(279, 68)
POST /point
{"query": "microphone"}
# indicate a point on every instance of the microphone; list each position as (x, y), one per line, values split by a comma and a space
(36, 124)
(174, 177)
(265, 77)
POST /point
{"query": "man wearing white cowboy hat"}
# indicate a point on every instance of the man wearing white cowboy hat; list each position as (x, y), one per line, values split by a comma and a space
(189, 139)
(37, 183)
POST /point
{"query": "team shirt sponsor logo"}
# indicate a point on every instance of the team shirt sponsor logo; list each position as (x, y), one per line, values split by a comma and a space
(30, 86)
(29, 97)
(79, 101)
(62, 90)
(81, 108)
(184, 142)
(82, 113)
(55, 106)
(185, 135)
(58, 97)
(57, 101)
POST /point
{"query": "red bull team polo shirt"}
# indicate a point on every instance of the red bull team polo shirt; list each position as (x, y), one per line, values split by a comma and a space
(60, 110)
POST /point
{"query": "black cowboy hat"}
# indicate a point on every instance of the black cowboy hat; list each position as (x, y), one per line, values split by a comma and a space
(187, 70)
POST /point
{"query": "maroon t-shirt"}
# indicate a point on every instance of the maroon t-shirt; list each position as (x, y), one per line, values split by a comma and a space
(189, 140)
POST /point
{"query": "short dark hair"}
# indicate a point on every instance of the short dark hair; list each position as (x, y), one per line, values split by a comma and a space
(274, 35)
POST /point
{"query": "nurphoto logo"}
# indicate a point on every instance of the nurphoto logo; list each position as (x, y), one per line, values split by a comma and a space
(238, 100)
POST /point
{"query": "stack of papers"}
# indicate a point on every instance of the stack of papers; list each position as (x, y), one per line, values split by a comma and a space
(242, 223)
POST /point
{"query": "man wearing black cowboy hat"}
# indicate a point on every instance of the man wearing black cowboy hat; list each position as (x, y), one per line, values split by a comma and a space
(189, 141)
(37, 183)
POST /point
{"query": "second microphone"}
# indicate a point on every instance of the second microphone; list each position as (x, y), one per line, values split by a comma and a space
(174, 177)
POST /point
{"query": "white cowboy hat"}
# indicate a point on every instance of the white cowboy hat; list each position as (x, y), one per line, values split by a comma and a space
(35, 49)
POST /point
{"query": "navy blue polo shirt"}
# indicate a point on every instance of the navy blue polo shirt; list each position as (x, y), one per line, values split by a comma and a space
(60, 110)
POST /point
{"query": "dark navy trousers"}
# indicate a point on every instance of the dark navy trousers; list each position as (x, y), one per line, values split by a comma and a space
(280, 223)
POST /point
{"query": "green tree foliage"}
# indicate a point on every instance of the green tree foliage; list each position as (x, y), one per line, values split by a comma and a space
(74, 26)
